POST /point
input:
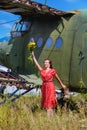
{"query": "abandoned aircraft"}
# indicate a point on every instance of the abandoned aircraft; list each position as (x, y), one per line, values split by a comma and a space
(60, 36)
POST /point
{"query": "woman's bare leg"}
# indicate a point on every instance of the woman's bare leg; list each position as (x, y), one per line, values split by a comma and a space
(50, 112)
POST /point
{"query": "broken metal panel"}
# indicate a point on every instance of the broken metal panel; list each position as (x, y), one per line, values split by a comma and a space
(27, 7)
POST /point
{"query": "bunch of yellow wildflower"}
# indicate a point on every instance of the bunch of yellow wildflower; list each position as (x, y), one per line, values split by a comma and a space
(31, 46)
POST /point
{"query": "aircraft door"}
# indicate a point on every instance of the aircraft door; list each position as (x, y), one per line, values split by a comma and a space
(78, 72)
(83, 60)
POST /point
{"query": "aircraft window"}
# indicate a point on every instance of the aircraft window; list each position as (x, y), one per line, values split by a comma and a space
(58, 42)
(26, 26)
(40, 42)
(31, 39)
(20, 28)
(14, 27)
(16, 34)
(49, 42)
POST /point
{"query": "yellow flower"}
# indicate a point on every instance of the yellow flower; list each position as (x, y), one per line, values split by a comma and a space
(30, 58)
(31, 46)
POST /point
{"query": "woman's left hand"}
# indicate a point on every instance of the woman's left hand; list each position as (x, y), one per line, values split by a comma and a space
(64, 87)
(66, 92)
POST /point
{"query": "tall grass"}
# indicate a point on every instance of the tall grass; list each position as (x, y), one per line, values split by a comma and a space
(26, 114)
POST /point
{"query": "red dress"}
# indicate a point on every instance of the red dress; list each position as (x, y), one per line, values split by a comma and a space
(48, 89)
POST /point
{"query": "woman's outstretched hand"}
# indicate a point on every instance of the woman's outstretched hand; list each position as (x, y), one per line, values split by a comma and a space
(66, 92)
(32, 54)
(64, 87)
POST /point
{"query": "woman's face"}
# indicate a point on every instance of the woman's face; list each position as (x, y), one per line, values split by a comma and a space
(46, 64)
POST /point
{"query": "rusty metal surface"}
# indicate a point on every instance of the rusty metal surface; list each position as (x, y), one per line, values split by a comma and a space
(26, 7)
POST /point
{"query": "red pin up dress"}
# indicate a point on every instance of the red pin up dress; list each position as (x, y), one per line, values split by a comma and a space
(48, 100)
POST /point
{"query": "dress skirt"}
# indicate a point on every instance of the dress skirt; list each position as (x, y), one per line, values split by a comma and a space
(48, 100)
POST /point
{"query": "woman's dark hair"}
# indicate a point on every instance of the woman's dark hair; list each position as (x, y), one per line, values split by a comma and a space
(50, 62)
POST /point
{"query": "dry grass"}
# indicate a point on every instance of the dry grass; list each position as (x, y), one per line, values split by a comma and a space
(25, 114)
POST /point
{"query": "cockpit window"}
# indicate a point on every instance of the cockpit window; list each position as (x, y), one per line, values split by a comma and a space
(59, 42)
(39, 42)
(49, 42)
(25, 26)
(19, 28)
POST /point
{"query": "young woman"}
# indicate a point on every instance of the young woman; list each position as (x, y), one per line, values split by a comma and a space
(48, 100)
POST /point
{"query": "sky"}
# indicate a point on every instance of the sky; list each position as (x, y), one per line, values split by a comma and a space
(7, 19)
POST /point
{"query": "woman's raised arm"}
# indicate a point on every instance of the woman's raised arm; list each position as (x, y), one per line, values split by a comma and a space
(36, 62)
